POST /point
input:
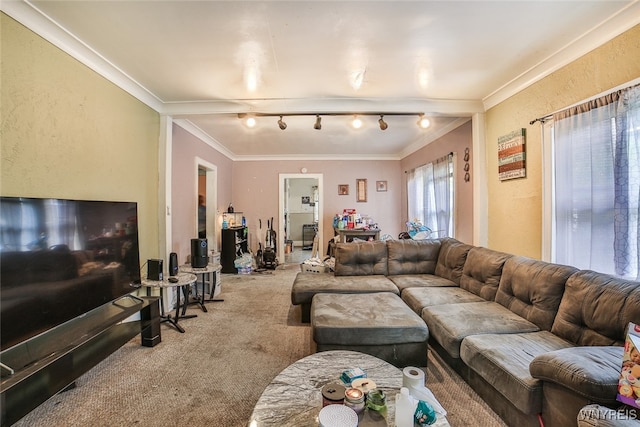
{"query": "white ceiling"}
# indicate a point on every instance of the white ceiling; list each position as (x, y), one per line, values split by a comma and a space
(449, 59)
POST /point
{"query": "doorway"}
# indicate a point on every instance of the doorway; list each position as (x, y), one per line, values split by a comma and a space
(300, 209)
(207, 202)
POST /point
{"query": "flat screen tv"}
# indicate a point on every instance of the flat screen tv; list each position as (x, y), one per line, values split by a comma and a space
(60, 259)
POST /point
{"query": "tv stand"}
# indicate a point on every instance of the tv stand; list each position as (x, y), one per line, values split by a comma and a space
(46, 364)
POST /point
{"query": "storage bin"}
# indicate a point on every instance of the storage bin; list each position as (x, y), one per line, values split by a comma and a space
(311, 268)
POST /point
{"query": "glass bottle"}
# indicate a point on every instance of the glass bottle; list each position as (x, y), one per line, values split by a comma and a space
(377, 401)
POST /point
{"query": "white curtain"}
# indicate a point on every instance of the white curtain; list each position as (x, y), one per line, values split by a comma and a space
(430, 196)
(597, 184)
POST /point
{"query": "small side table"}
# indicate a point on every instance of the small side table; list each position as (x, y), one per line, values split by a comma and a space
(184, 281)
(210, 270)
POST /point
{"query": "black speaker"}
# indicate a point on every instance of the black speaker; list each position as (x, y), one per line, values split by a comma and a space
(150, 323)
(154, 269)
(199, 249)
(173, 264)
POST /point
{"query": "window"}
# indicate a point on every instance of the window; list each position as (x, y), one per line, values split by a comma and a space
(596, 175)
(430, 196)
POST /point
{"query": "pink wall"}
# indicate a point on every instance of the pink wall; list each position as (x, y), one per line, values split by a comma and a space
(455, 141)
(252, 187)
(255, 191)
(184, 202)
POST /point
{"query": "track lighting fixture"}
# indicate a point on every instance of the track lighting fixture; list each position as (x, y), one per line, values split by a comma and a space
(383, 124)
(423, 122)
(356, 123)
(282, 124)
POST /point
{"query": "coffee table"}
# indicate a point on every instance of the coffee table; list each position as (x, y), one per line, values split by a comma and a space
(294, 399)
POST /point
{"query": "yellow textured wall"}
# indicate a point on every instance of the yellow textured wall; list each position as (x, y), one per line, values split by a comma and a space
(515, 206)
(69, 133)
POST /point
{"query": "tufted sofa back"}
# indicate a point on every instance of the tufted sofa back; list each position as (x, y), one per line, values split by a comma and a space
(533, 289)
(412, 256)
(361, 258)
(451, 259)
(482, 271)
(596, 309)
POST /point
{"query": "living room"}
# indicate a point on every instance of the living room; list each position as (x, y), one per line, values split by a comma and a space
(88, 150)
(69, 132)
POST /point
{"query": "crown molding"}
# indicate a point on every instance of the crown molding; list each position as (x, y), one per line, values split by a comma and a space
(442, 131)
(31, 17)
(206, 138)
(624, 20)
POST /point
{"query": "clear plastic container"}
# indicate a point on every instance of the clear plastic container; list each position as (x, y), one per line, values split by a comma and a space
(404, 408)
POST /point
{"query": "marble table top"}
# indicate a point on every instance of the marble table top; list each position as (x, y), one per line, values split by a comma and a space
(294, 398)
(210, 268)
(184, 279)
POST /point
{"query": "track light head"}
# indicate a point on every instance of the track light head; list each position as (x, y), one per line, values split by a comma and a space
(423, 122)
(356, 123)
(282, 124)
(317, 125)
(383, 124)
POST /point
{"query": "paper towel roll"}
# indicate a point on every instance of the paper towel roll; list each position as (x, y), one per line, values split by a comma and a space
(412, 377)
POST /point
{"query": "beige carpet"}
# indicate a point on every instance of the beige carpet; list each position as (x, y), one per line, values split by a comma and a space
(213, 374)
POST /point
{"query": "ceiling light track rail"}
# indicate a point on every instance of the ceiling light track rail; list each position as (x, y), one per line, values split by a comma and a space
(250, 118)
(355, 113)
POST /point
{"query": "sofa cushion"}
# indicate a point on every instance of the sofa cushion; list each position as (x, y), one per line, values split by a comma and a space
(533, 289)
(451, 259)
(596, 309)
(503, 361)
(361, 258)
(405, 281)
(306, 285)
(449, 324)
(418, 298)
(412, 256)
(365, 319)
(482, 271)
(591, 371)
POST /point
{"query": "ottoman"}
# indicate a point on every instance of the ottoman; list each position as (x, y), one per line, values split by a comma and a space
(306, 285)
(379, 324)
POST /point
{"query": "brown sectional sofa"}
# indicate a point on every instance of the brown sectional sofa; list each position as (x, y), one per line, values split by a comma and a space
(534, 339)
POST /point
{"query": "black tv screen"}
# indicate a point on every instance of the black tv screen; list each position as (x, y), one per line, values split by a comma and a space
(60, 259)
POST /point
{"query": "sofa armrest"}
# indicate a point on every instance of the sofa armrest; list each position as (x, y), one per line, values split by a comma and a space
(591, 371)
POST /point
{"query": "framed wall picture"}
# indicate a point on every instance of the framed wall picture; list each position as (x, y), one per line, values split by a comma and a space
(361, 190)
(381, 185)
(343, 190)
(512, 155)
